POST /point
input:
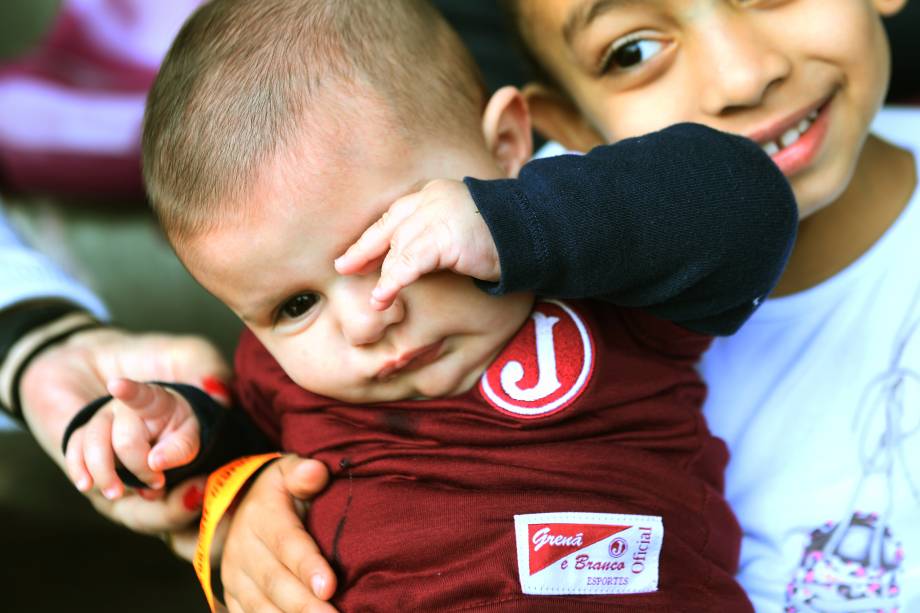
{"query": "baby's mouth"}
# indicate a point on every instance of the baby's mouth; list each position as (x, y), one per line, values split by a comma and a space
(411, 360)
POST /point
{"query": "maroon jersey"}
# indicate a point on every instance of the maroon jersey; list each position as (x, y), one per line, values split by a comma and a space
(578, 474)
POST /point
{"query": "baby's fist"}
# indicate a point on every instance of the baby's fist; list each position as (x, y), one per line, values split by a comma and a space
(435, 228)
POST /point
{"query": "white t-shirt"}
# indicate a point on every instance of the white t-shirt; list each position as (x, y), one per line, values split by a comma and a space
(818, 397)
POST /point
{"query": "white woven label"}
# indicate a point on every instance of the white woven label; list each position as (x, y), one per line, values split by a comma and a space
(588, 553)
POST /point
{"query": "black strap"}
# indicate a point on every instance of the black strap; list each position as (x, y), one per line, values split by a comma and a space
(212, 417)
(79, 420)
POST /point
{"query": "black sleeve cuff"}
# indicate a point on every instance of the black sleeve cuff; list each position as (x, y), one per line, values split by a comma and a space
(505, 210)
(26, 330)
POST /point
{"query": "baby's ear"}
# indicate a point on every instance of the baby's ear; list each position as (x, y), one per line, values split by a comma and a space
(557, 118)
(887, 8)
(506, 129)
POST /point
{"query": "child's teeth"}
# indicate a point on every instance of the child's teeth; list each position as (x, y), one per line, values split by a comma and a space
(789, 137)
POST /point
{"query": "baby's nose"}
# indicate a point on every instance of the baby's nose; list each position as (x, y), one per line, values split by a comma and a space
(363, 325)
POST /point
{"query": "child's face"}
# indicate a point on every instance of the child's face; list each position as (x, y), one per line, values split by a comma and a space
(273, 266)
(803, 78)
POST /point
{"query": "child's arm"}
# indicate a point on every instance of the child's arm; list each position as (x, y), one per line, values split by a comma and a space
(691, 224)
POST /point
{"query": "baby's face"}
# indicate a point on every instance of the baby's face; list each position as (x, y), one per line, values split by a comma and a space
(803, 78)
(273, 266)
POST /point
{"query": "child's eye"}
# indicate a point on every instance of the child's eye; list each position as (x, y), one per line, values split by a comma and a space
(297, 306)
(630, 52)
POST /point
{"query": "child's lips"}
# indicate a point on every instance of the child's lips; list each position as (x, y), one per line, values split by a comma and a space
(411, 360)
(794, 142)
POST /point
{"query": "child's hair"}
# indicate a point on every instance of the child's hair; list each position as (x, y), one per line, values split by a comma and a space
(240, 81)
(515, 27)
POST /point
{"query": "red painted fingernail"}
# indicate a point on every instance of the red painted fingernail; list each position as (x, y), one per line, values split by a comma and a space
(215, 387)
(193, 498)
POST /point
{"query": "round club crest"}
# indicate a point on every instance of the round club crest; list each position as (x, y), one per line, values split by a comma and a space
(545, 367)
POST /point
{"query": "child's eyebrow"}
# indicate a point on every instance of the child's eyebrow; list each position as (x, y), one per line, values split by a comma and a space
(586, 12)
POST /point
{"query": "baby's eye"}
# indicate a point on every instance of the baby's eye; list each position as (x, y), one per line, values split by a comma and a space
(630, 52)
(746, 3)
(297, 306)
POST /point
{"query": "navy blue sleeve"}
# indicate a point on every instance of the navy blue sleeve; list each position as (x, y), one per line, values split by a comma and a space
(690, 224)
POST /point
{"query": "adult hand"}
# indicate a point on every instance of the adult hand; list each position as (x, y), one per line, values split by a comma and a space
(269, 562)
(66, 376)
(435, 228)
(172, 515)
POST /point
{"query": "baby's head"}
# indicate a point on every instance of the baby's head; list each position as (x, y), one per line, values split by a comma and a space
(277, 131)
(802, 77)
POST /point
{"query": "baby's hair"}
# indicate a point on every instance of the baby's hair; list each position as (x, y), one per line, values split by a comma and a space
(238, 86)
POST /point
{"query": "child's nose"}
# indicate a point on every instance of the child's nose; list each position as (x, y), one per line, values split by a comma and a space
(359, 322)
(738, 62)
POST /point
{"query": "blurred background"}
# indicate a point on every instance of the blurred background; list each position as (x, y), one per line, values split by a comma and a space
(73, 76)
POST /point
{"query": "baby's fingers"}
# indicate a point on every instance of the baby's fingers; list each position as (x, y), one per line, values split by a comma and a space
(99, 457)
(151, 401)
(177, 447)
(375, 241)
(404, 264)
(266, 585)
(304, 478)
(73, 461)
(251, 599)
(151, 413)
(130, 440)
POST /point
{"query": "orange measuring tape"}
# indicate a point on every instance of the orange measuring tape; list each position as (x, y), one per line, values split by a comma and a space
(222, 487)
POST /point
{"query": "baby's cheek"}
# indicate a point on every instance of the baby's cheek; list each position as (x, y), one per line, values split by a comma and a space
(327, 379)
(302, 371)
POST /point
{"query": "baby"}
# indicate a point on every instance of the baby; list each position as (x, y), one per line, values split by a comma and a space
(488, 452)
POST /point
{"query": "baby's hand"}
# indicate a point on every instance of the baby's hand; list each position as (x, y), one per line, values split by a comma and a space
(146, 427)
(435, 228)
(269, 562)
